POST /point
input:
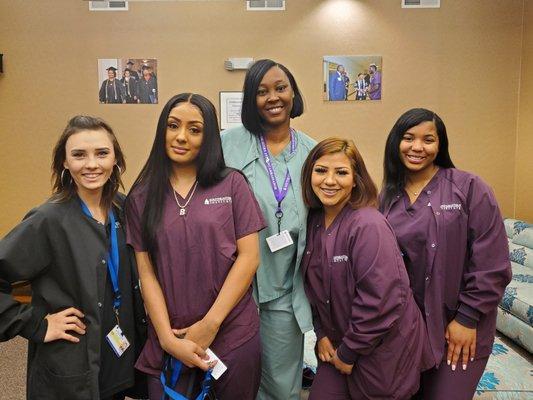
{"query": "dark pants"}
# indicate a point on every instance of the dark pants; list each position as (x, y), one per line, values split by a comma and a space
(240, 381)
(329, 384)
(445, 384)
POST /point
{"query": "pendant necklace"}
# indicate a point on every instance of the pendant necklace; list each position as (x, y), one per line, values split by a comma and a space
(182, 208)
(418, 191)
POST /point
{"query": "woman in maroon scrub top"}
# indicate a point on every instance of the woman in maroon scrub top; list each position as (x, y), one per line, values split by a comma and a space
(372, 341)
(451, 233)
(193, 224)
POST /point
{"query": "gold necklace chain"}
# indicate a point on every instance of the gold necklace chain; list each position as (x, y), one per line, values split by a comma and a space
(182, 208)
(416, 193)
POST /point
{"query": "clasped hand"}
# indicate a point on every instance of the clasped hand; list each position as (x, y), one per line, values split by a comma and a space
(189, 344)
(327, 353)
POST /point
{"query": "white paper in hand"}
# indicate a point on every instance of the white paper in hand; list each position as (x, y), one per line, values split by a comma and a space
(219, 368)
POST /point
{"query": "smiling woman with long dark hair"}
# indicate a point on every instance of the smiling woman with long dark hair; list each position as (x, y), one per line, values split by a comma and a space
(271, 154)
(193, 224)
(452, 237)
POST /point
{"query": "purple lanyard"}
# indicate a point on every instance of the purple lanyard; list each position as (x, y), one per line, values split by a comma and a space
(279, 194)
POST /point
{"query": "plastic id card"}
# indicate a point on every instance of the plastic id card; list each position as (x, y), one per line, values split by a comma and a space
(118, 342)
(279, 241)
(219, 367)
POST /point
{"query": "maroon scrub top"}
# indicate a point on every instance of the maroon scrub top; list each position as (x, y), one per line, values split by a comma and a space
(466, 256)
(414, 237)
(359, 293)
(194, 255)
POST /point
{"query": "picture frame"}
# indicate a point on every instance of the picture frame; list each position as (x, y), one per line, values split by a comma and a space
(355, 78)
(127, 81)
(230, 109)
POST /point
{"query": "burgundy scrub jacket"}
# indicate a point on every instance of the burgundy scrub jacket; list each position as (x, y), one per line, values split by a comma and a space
(359, 292)
(467, 257)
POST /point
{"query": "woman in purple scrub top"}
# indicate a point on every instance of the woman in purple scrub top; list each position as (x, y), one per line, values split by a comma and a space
(453, 241)
(372, 341)
(193, 224)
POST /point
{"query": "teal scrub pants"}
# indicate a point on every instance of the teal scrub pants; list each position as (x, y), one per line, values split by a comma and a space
(282, 344)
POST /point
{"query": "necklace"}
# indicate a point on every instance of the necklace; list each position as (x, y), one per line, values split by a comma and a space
(414, 193)
(426, 181)
(182, 208)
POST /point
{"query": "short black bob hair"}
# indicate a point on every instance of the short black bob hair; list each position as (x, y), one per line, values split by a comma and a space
(393, 168)
(251, 119)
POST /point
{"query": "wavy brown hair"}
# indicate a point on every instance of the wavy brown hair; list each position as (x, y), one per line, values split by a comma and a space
(63, 186)
(364, 193)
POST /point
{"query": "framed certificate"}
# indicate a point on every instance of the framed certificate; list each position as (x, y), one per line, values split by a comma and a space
(230, 109)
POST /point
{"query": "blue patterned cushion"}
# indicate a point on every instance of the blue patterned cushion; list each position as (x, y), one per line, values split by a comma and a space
(518, 296)
(515, 329)
(524, 237)
(521, 254)
(514, 226)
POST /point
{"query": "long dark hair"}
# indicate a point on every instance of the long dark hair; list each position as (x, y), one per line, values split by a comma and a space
(251, 119)
(155, 174)
(364, 194)
(393, 168)
(63, 186)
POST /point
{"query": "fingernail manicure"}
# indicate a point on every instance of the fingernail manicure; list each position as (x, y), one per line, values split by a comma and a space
(472, 359)
(453, 367)
(464, 367)
(449, 362)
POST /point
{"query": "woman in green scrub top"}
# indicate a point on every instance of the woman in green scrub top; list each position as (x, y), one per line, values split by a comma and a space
(271, 155)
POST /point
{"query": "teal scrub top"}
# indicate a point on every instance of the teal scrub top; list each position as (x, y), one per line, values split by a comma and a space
(278, 273)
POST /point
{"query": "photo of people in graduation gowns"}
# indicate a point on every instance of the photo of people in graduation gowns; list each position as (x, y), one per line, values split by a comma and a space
(127, 81)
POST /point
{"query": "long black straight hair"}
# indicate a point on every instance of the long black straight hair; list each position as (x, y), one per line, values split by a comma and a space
(155, 175)
(393, 168)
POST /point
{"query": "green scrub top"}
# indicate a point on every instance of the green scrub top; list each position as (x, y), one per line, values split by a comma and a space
(278, 273)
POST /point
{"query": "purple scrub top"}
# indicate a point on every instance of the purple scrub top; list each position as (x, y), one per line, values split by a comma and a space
(467, 256)
(414, 236)
(359, 293)
(195, 253)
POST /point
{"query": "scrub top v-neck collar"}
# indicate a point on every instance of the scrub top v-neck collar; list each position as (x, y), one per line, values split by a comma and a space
(423, 196)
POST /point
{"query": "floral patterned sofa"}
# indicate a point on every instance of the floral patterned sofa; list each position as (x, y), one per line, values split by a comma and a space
(515, 315)
(509, 372)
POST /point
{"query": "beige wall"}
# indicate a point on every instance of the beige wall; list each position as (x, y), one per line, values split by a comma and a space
(460, 60)
(524, 148)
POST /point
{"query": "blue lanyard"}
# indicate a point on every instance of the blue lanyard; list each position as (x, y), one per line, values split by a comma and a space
(113, 260)
(279, 194)
(175, 366)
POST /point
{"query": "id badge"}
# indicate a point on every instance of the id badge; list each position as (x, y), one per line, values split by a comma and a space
(117, 340)
(279, 241)
(219, 367)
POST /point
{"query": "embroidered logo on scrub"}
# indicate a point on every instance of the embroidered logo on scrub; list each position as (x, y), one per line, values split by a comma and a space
(338, 259)
(218, 200)
(448, 207)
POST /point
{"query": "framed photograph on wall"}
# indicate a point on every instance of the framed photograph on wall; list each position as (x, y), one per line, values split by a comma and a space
(352, 78)
(127, 81)
(230, 109)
